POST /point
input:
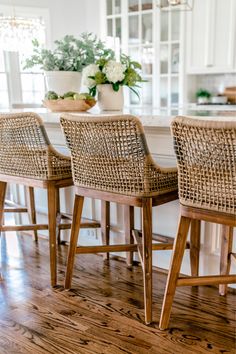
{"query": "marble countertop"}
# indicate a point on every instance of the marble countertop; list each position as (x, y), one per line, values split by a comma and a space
(149, 117)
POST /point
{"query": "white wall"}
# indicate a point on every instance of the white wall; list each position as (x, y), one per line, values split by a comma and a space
(93, 16)
(66, 16)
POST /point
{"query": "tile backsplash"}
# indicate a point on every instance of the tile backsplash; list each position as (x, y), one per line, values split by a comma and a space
(215, 83)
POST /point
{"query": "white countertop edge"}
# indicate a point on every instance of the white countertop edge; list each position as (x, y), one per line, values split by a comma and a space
(149, 118)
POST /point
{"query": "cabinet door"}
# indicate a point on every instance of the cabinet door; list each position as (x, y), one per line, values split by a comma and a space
(196, 30)
(211, 37)
(223, 36)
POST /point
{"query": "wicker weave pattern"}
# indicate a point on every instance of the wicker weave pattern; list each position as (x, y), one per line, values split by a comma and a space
(25, 150)
(111, 154)
(206, 154)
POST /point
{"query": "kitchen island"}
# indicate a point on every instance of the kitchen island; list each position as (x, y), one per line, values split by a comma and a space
(165, 218)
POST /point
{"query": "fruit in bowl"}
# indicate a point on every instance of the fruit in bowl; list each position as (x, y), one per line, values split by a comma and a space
(51, 95)
(69, 102)
(84, 96)
(69, 95)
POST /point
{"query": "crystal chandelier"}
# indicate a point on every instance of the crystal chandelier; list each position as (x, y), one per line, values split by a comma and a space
(16, 33)
(175, 5)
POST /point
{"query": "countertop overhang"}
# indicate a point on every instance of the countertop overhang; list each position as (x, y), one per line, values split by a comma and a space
(150, 118)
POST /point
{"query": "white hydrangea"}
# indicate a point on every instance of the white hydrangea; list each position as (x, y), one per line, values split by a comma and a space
(89, 70)
(114, 71)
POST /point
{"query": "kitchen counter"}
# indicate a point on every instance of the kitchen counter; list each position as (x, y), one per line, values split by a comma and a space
(150, 117)
(212, 107)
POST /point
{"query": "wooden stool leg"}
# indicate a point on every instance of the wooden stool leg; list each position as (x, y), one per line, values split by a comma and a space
(129, 226)
(3, 187)
(225, 259)
(58, 218)
(105, 225)
(195, 246)
(177, 256)
(52, 211)
(31, 210)
(147, 257)
(75, 226)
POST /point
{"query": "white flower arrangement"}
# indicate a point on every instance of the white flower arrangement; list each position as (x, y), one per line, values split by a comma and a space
(114, 71)
(89, 71)
(125, 72)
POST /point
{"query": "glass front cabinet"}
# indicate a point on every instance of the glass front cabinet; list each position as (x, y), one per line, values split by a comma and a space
(155, 38)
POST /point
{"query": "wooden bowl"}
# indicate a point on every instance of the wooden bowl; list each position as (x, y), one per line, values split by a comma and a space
(62, 105)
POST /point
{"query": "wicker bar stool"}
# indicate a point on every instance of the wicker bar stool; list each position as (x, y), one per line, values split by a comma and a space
(28, 158)
(206, 158)
(111, 162)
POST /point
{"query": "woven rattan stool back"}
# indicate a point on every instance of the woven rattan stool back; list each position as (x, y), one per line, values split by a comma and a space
(206, 157)
(25, 150)
(109, 153)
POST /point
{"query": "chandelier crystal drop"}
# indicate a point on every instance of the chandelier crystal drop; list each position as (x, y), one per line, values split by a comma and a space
(16, 33)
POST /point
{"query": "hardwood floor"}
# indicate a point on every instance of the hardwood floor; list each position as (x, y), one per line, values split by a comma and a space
(103, 313)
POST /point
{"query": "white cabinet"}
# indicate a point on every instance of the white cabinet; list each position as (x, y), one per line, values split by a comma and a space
(153, 37)
(211, 37)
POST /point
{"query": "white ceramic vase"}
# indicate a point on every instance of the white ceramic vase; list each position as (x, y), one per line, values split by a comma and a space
(62, 81)
(110, 100)
(202, 100)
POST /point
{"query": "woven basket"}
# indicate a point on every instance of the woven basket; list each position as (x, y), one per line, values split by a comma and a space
(62, 105)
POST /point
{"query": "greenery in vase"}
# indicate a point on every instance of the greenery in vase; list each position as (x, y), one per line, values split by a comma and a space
(108, 71)
(70, 53)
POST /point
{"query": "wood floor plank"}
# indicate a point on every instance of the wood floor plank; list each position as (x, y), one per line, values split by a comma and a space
(103, 312)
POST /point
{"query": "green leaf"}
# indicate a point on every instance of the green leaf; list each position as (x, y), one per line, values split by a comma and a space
(136, 65)
(135, 92)
(100, 78)
(35, 42)
(116, 86)
(93, 91)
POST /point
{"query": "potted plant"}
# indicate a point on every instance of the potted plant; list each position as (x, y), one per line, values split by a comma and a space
(203, 96)
(63, 65)
(107, 77)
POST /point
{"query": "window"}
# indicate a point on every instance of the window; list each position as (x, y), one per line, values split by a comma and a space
(140, 45)
(131, 22)
(4, 99)
(18, 85)
(32, 82)
(114, 28)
